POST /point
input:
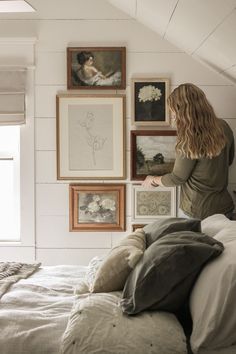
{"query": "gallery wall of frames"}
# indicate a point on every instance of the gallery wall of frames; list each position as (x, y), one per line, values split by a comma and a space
(87, 121)
(91, 141)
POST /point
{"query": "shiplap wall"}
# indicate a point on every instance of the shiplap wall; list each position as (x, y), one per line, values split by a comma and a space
(147, 55)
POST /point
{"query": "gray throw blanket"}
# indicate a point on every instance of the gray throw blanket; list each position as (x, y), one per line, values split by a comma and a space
(11, 272)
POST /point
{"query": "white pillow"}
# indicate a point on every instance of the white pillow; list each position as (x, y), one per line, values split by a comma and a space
(215, 223)
(212, 301)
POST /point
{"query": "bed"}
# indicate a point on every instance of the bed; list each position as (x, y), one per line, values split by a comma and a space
(52, 311)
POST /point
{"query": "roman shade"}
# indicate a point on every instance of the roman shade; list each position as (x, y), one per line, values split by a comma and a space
(12, 95)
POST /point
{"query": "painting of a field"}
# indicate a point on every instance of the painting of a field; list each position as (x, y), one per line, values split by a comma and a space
(153, 153)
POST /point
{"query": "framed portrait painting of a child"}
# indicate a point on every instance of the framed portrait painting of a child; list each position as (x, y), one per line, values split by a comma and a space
(96, 68)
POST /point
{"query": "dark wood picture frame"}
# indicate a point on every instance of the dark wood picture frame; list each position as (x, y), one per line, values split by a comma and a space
(141, 166)
(97, 207)
(105, 68)
(149, 101)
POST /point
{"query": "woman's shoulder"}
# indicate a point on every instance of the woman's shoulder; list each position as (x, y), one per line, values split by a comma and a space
(224, 124)
(227, 129)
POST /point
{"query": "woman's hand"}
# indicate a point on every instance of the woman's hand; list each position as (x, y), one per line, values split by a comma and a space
(152, 181)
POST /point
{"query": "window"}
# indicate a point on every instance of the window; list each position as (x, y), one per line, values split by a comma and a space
(9, 183)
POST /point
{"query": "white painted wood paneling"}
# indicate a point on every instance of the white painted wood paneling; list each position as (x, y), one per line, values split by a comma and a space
(17, 254)
(51, 68)
(222, 99)
(179, 67)
(45, 100)
(46, 168)
(127, 6)
(231, 73)
(68, 256)
(54, 230)
(148, 12)
(220, 49)
(45, 134)
(55, 36)
(191, 23)
(52, 199)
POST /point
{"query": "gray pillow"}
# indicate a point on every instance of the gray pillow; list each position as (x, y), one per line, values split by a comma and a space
(162, 227)
(164, 276)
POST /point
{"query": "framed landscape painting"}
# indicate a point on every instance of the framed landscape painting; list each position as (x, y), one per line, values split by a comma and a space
(152, 152)
(97, 207)
(90, 137)
(153, 202)
(149, 102)
(96, 68)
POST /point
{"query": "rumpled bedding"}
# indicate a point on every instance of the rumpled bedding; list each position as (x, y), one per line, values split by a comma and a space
(11, 272)
(98, 325)
(35, 311)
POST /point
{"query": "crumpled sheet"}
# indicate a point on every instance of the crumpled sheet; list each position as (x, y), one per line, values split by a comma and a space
(35, 311)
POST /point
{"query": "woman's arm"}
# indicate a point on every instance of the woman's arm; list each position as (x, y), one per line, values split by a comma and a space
(182, 170)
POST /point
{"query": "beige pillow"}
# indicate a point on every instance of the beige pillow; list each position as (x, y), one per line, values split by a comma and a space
(115, 268)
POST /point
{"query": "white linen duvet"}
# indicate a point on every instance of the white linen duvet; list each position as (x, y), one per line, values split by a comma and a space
(41, 315)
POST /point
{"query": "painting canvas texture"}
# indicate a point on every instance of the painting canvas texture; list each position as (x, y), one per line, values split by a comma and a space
(155, 155)
(96, 68)
(150, 99)
(97, 208)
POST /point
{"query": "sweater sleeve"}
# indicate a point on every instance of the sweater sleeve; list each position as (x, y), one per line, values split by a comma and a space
(182, 170)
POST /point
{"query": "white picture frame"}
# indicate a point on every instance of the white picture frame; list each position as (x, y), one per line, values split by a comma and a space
(90, 137)
(153, 203)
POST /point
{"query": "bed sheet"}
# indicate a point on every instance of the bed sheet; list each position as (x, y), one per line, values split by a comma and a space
(35, 311)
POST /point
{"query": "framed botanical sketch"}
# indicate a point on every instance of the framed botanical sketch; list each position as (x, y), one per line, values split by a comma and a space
(152, 152)
(90, 137)
(149, 102)
(96, 68)
(97, 207)
(154, 202)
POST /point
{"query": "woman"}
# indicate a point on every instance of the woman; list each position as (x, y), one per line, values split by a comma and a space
(204, 151)
(88, 74)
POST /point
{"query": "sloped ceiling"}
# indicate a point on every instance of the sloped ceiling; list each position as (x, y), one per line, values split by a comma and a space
(205, 29)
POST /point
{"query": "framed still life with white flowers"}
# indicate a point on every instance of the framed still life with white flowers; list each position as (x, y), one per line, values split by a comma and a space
(149, 106)
(97, 207)
(153, 202)
(90, 136)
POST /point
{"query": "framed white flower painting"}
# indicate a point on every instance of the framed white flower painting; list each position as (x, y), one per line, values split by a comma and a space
(97, 207)
(153, 203)
(149, 106)
(90, 136)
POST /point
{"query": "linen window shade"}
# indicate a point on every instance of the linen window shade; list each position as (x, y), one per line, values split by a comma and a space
(12, 96)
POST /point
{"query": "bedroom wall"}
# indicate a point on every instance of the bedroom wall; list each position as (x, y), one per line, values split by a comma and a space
(147, 54)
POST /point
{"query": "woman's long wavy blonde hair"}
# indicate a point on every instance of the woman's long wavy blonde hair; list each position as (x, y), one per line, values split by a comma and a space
(199, 132)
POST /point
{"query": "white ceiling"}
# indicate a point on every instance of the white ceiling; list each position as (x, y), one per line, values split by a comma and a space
(205, 29)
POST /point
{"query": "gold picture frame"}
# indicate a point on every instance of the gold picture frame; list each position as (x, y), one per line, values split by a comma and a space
(97, 207)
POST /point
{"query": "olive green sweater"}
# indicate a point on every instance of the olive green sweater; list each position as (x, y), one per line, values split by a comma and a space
(204, 181)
